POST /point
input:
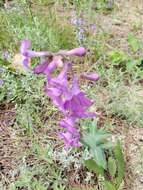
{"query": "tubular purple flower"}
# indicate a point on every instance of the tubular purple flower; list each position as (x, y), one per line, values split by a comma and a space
(76, 102)
(56, 96)
(31, 54)
(69, 123)
(61, 80)
(25, 45)
(84, 114)
(26, 62)
(57, 87)
(81, 51)
(24, 49)
(52, 91)
(70, 140)
(91, 76)
(45, 67)
(39, 69)
(51, 67)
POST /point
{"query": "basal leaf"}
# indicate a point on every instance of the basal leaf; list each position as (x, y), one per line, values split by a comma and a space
(99, 157)
(109, 186)
(106, 145)
(120, 163)
(93, 140)
(112, 166)
(91, 165)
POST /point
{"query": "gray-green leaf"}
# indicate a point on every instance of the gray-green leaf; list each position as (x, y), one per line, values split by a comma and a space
(112, 166)
(91, 165)
(99, 157)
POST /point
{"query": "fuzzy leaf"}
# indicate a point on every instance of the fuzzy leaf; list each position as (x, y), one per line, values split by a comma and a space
(93, 140)
(107, 145)
(112, 166)
(91, 165)
(109, 186)
(120, 163)
(99, 157)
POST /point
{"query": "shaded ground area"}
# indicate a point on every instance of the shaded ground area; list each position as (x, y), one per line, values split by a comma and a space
(13, 148)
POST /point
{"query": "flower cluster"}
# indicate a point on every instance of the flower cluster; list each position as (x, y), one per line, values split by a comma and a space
(69, 99)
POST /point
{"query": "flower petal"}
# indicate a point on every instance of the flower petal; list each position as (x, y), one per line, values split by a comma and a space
(31, 54)
(25, 45)
(70, 140)
(40, 68)
(68, 123)
(84, 114)
(61, 80)
(26, 63)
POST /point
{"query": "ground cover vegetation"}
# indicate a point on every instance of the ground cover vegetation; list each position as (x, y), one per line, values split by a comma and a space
(71, 98)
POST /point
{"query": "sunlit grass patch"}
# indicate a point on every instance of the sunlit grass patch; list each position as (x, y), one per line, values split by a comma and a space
(121, 101)
(44, 29)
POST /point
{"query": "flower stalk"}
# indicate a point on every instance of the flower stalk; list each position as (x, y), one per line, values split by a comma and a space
(68, 98)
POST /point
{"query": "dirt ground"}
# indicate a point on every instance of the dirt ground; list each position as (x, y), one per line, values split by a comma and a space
(119, 24)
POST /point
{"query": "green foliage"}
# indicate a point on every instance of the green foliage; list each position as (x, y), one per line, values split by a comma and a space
(116, 167)
(109, 186)
(38, 27)
(43, 153)
(44, 2)
(105, 5)
(92, 166)
(120, 163)
(118, 57)
(134, 43)
(118, 93)
(112, 168)
(97, 143)
(26, 181)
(105, 157)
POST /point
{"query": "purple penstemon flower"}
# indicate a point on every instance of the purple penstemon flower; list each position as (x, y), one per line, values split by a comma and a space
(56, 96)
(57, 87)
(45, 68)
(25, 46)
(70, 140)
(40, 68)
(27, 53)
(24, 50)
(48, 68)
(77, 103)
(72, 136)
(61, 81)
(71, 101)
(69, 124)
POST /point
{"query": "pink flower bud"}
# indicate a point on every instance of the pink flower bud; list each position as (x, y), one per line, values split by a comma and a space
(81, 51)
(91, 76)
